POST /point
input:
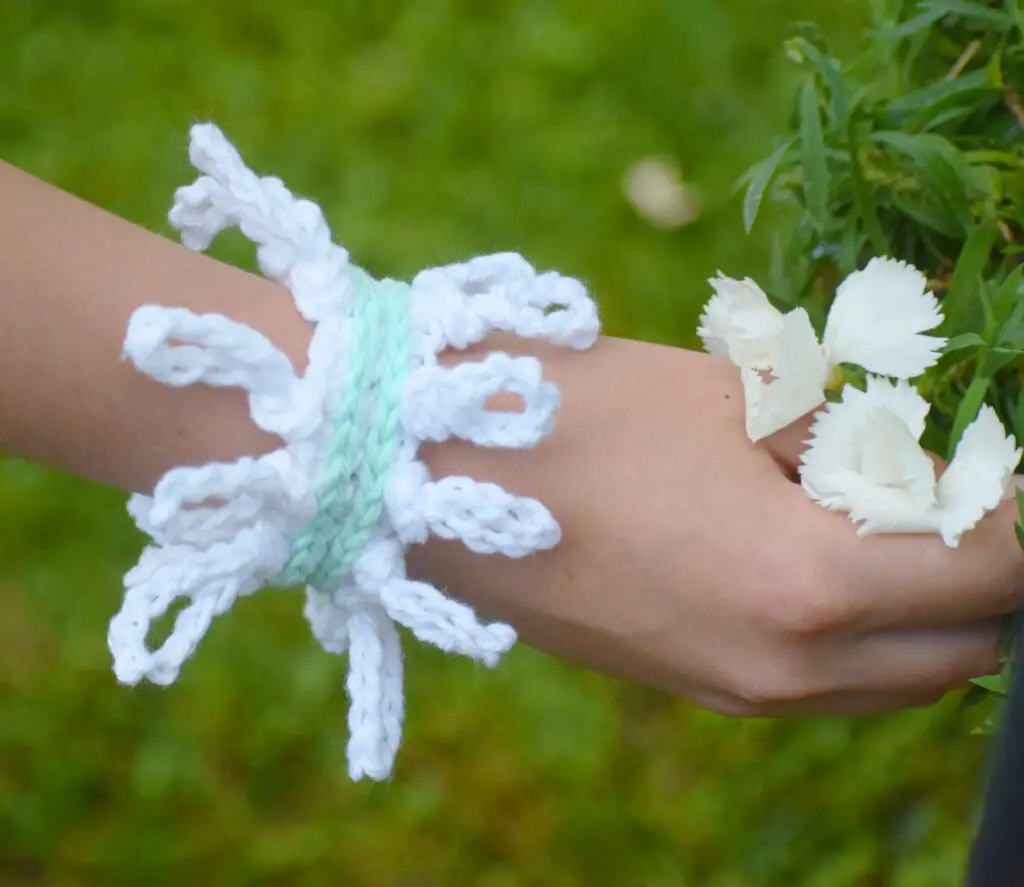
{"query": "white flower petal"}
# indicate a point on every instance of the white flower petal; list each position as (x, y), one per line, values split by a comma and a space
(892, 458)
(880, 509)
(797, 386)
(878, 317)
(899, 397)
(827, 466)
(837, 429)
(864, 458)
(739, 322)
(976, 479)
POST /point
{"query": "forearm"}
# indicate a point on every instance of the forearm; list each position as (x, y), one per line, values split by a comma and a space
(71, 275)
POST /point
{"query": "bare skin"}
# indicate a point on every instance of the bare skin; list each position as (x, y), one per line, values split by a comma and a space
(691, 561)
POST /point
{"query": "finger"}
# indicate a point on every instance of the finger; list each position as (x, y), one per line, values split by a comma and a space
(890, 671)
(884, 671)
(833, 704)
(854, 704)
(917, 661)
(787, 445)
(916, 580)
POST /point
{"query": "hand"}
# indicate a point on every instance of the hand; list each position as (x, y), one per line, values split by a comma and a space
(693, 561)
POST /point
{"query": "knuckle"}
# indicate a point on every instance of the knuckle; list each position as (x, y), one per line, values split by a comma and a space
(765, 688)
(809, 601)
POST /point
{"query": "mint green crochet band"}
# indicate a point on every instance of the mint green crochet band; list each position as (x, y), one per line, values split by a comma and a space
(363, 443)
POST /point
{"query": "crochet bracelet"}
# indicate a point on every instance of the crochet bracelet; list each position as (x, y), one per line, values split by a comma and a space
(335, 507)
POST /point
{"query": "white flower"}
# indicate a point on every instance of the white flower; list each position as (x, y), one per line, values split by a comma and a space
(655, 188)
(877, 321)
(864, 458)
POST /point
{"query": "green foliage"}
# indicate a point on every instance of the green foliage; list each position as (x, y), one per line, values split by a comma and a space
(914, 149)
(432, 130)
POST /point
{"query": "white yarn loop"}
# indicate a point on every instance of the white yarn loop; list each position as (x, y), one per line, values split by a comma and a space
(184, 506)
(374, 686)
(447, 624)
(444, 402)
(224, 530)
(465, 302)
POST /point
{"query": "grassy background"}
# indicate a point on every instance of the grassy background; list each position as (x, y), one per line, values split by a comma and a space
(430, 130)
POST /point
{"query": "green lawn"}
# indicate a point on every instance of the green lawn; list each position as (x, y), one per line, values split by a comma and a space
(430, 130)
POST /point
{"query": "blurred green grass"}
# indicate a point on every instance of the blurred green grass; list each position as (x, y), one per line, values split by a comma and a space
(430, 131)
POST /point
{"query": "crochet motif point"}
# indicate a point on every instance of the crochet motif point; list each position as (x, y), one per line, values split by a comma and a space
(335, 507)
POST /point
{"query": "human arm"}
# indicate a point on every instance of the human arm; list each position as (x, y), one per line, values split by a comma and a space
(689, 559)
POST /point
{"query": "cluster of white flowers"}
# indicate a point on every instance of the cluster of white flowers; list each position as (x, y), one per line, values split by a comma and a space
(864, 455)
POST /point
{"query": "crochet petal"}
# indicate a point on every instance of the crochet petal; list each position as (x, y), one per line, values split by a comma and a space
(483, 516)
(212, 580)
(178, 347)
(374, 687)
(463, 302)
(453, 627)
(443, 402)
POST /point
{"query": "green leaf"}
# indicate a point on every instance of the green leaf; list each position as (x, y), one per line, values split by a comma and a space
(812, 149)
(1017, 420)
(994, 69)
(999, 358)
(794, 256)
(830, 74)
(994, 683)
(967, 411)
(851, 245)
(962, 342)
(761, 177)
(972, 697)
(994, 157)
(987, 181)
(913, 26)
(943, 119)
(1008, 306)
(969, 10)
(929, 96)
(1011, 338)
(1019, 495)
(974, 258)
(778, 276)
(926, 212)
(942, 168)
(1017, 14)
(862, 197)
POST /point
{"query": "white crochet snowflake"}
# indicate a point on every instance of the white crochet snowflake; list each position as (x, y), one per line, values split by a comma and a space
(223, 530)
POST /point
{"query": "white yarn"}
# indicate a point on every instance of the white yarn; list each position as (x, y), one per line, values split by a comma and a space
(223, 530)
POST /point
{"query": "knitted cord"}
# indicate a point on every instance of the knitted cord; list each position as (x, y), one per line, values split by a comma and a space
(361, 451)
(337, 504)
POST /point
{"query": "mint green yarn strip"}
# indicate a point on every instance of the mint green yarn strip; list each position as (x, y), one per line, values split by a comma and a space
(364, 441)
